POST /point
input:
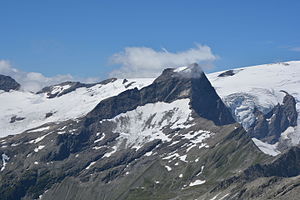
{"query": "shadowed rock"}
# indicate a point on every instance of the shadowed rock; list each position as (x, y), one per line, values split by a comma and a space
(7, 83)
(269, 127)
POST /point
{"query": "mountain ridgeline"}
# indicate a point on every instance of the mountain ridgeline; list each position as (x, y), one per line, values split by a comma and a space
(166, 138)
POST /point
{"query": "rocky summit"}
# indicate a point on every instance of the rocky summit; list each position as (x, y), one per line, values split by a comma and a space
(183, 135)
(7, 83)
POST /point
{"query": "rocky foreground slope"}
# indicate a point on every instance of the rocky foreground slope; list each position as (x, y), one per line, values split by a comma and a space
(171, 138)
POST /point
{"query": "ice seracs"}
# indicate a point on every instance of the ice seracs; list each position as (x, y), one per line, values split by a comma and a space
(260, 87)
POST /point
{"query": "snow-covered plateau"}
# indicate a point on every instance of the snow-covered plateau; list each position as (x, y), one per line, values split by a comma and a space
(260, 86)
(34, 110)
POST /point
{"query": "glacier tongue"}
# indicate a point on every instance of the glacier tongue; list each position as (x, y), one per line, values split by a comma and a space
(270, 149)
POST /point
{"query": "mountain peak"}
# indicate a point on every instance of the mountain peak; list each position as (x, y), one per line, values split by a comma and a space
(173, 84)
(7, 83)
(191, 71)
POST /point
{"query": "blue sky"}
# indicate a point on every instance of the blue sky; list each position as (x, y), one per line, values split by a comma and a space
(79, 37)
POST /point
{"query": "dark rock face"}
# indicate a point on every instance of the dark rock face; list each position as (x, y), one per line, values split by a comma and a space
(49, 114)
(227, 73)
(16, 118)
(7, 83)
(168, 87)
(208, 104)
(269, 127)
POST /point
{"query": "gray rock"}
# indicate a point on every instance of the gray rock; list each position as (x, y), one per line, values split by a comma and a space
(7, 83)
(268, 127)
(49, 90)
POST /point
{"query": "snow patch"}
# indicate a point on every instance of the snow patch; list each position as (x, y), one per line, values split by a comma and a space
(215, 197)
(39, 148)
(90, 165)
(183, 158)
(96, 147)
(5, 158)
(202, 168)
(197, 182)
(110, 153)
(168, 168)
(190, 71)
(173, 156)
(102, 137)
(37, 140)
(149, 153)
(196, 138)
(287, 133)
(179, 69)
(146, 123)
(270, 149)
(61, 132)
(59, 89)
(39, 129)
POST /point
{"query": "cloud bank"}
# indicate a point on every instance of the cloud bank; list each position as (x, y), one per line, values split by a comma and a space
(135, 62)
(146, 62)
(34, 81)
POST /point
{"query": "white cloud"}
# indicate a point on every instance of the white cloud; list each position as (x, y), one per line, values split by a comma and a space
(34, 81)
(146, 62)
